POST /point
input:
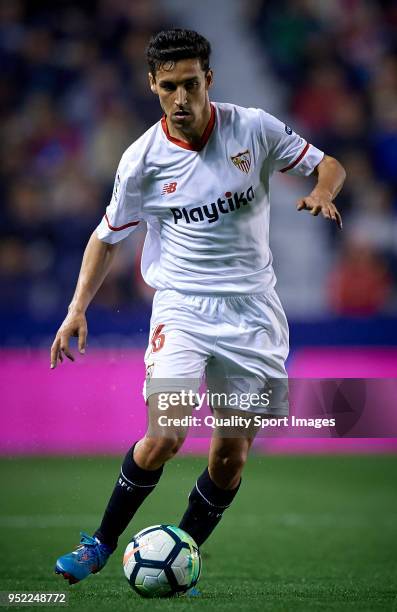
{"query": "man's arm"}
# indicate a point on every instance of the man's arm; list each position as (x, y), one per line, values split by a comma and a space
(330, 178)
(96, 262)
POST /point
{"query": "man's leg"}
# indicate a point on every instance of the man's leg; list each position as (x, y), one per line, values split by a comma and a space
(140, 472)
(217, 486)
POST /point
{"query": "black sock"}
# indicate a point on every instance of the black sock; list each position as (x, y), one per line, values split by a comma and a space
(132, 487)
(207, 502)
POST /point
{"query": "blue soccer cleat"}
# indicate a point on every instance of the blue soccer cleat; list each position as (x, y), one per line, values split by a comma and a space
(193, 592)
(88, 558)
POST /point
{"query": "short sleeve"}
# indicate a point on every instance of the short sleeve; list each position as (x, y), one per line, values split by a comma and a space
(286, 150)
(125, 210)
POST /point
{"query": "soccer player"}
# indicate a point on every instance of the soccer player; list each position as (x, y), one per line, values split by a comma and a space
(199, 179)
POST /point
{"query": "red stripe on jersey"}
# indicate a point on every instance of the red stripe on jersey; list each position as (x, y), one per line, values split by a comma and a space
(118, 229)
(303, 153)
(203, 140)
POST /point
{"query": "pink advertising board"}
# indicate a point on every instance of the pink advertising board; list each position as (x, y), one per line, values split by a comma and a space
(95, 405)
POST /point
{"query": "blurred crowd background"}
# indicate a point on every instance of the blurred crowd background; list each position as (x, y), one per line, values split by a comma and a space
(74, 95)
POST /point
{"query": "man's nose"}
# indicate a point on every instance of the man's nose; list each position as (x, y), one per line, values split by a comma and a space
(180, 96)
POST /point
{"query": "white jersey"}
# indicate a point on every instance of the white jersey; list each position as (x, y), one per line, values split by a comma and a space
(207, 207)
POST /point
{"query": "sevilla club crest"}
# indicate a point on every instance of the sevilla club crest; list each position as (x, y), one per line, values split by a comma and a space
(242, 161)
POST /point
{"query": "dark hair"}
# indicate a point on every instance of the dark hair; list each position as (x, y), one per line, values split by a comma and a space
(178, 44)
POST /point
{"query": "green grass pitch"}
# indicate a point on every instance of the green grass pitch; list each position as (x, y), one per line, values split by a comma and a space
(305, 533)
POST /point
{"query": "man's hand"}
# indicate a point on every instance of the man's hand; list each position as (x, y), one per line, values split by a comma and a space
(317, 203)
(75, 324)
(330, 178)
(96, 262)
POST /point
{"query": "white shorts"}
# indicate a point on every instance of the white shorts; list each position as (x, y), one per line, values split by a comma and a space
(236, 342)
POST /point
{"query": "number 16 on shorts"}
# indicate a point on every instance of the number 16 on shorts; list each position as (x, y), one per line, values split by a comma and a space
(157, 340)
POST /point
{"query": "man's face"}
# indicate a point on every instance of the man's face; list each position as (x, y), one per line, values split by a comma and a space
(182, 88)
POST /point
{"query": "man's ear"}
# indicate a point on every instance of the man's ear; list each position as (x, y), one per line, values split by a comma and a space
(152, 83)
(209, 78)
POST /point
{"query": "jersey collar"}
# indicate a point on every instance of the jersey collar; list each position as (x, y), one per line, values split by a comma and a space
(203, 140)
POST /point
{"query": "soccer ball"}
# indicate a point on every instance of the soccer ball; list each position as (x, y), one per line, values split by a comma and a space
(161, 561)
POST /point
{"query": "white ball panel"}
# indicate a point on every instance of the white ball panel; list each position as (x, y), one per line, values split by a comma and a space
(163, 580)
(155, 545)
(148, 574)
(153, 582)
(180, 566)
(129, 567)
(129, 560)
(179, 575)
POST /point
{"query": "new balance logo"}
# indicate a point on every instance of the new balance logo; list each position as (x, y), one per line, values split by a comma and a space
(169, 188)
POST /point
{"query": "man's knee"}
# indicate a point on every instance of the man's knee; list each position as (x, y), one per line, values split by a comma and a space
(229, 462)
(153, 452)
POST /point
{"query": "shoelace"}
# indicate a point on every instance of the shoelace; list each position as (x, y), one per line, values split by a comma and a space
(94, 555)
(87, 540)
(99, 551)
